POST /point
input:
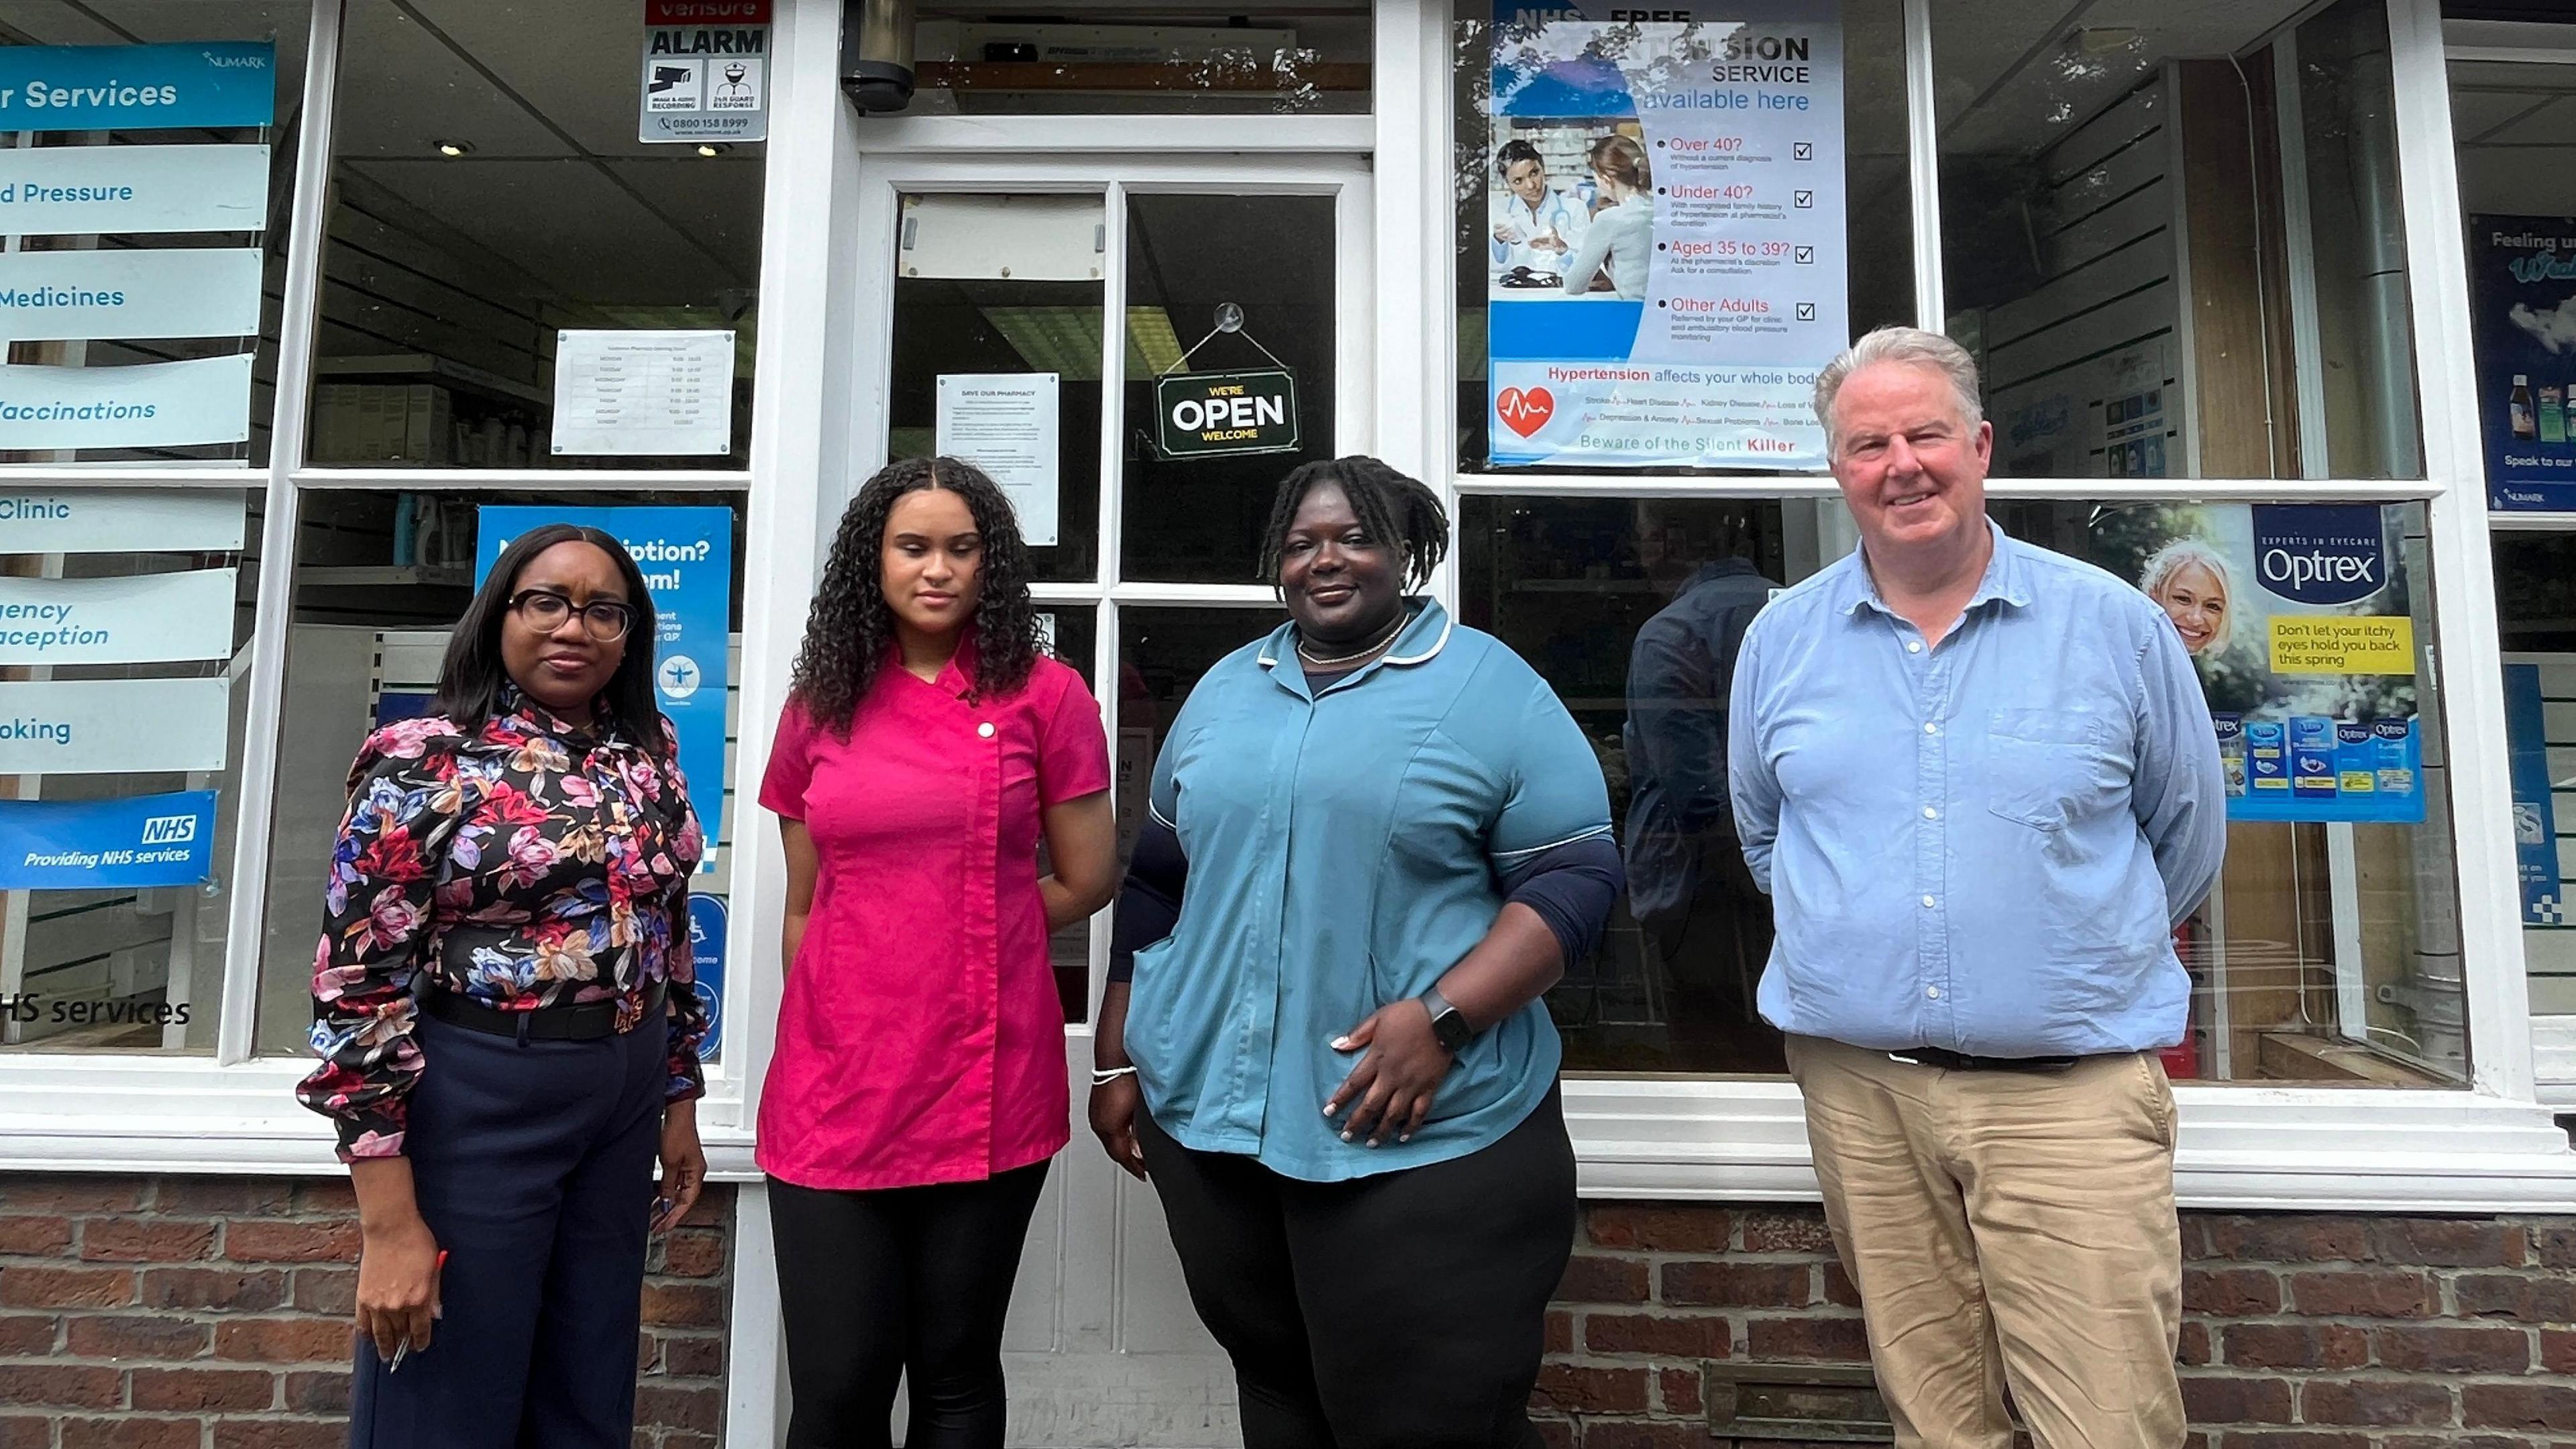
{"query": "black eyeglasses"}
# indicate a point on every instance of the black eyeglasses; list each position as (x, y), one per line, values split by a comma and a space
(545, 610)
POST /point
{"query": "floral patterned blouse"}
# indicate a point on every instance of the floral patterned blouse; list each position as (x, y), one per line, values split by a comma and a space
(531, 864)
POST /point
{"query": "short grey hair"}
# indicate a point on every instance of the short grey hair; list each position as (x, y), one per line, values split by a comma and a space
(1912, 347)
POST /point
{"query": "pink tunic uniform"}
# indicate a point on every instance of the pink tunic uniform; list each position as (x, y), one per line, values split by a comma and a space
(921, 1039)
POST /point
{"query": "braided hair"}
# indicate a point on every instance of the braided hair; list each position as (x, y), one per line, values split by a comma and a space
(1393, 510)
(851, 628)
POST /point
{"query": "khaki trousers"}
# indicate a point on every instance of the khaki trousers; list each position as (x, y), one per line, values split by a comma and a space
(2006, 1228)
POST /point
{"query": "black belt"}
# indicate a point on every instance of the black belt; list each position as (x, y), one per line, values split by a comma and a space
(583, 1021)
(1950, 1061)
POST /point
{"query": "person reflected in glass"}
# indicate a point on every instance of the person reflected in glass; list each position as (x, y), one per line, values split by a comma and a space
(1535, 225)
(503, 998)
(1620, 239)
(2193, 584)
(917, 1090)
(1707, 923)
(1376, 839)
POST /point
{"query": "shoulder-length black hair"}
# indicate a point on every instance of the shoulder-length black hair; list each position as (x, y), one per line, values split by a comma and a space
(850, 630)
(471, 678)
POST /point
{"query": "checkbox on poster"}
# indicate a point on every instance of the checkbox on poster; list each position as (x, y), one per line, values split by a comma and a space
(1806, 311)
(1805, 199)
(1803, 151)
(1806, 256)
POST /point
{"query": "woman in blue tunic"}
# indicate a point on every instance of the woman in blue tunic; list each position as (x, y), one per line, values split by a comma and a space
(1377, 839)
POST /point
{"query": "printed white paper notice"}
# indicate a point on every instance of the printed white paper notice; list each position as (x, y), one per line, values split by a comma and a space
(1005, 424)
(650, 394)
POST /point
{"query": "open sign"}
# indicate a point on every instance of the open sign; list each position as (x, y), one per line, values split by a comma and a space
(1210, 414)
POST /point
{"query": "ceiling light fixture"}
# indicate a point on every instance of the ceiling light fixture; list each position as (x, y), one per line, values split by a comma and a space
(454, 148)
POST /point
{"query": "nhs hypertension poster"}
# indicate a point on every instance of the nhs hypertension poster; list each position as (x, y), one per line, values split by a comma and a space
(2522, 299)
(2299, 619)
(1665, 250)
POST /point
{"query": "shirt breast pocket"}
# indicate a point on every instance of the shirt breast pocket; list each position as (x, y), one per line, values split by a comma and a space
(2048, 768)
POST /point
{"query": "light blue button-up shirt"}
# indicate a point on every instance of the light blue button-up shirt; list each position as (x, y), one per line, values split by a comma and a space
(1982, 845)
(1344, 850)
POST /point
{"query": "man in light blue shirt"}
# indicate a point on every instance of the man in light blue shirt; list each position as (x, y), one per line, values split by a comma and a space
(1980, 783)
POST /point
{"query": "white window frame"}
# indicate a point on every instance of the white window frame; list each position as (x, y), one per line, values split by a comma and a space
(2491, 1148)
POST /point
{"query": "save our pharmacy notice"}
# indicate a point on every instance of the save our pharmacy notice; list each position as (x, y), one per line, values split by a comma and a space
(1665, 243)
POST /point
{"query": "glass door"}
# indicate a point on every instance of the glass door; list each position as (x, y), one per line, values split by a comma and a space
(1138, 349)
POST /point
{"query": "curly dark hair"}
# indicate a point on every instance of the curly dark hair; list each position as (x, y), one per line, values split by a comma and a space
(1392, 508)
(850, 629)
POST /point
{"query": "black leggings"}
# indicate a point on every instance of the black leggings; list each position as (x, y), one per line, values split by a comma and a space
(1403, 1311)
(875, 1285)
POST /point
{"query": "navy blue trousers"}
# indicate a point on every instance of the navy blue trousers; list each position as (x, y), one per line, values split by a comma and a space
(534, 1166)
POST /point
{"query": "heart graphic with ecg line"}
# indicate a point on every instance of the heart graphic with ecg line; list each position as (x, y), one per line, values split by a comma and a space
(1525, 412)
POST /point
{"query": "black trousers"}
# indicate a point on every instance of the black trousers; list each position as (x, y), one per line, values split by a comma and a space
(1403, 1311)
(905, 1280)
(533, 1166)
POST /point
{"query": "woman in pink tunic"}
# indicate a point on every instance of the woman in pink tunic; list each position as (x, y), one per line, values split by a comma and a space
(918, 1088)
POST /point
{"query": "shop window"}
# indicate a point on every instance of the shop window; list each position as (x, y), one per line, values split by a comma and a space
(511, 278)
(1738, 197)
(998, 355)
(2330, 952)
(143, 326)
(2176, 244)
(2536, 610)
(124, 671)
(1265, 60)
(1231, 376)
(2509, 120)
(1162, 655)
(380, 580)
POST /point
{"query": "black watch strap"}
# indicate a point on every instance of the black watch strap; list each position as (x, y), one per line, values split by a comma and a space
(1449, 1025)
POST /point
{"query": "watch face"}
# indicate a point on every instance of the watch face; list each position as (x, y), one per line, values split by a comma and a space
(1451, 1030)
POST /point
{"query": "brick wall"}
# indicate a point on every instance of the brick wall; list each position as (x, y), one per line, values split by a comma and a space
(214, 1313)
(2300, 1331)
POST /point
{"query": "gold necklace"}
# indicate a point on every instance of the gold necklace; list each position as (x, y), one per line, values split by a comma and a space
(1380, 646)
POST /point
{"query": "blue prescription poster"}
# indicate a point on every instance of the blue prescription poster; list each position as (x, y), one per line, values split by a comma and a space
(686, 555)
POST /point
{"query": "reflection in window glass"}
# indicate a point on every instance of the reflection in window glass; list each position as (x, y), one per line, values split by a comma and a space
(380, 579)
(168, 304)
(2536, 610)
(1162, 653)
(1074, 628)
(1526, 182)
(2331, 950)
(1309, 59)
(2103, 181)
(1197, 499)
(489, 194)
(119, 799)
(988, 291)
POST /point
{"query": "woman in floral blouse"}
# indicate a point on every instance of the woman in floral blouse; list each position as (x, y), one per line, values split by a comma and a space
(503, 1001)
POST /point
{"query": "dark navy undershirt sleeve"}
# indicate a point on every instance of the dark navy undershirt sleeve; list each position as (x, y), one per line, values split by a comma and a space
(1572, 887)
(1149, 905)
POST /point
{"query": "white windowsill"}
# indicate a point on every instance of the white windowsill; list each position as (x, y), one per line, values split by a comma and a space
(1738, 1139)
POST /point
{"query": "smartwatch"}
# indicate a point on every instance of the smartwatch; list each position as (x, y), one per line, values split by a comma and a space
(1449, 1025)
